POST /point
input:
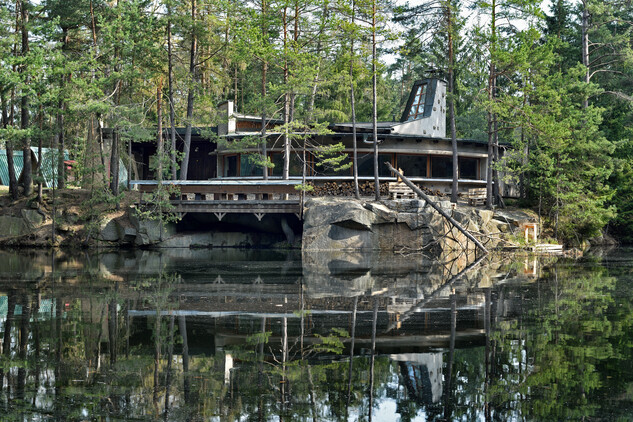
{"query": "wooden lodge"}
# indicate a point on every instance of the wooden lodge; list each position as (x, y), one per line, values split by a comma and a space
(416, 144)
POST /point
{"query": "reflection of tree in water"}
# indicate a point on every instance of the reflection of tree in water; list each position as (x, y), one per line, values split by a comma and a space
(72, 350)
(547, 361)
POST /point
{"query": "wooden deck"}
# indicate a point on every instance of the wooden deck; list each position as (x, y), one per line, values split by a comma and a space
(221, 197)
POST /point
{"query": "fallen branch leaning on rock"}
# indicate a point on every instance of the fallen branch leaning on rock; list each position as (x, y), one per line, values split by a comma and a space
(437, 208)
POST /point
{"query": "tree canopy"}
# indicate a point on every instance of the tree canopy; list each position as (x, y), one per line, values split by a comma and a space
(550, 90)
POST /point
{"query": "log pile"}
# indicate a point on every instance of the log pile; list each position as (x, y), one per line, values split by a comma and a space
(346, 189)
(365, 188)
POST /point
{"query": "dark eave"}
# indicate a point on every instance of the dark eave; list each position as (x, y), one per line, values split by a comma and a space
(363, 127)
(180, 131)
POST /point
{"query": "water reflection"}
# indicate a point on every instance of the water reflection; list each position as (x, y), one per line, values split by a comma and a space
(263, 335)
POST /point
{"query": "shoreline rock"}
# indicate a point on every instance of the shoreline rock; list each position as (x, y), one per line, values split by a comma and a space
(330, 223)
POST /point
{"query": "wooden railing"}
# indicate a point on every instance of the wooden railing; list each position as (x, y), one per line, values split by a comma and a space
(221, 197)
(225, 190)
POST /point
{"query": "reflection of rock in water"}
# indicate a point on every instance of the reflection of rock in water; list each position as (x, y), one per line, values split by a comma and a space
(228, 266)
(404, 279)
(422, 374)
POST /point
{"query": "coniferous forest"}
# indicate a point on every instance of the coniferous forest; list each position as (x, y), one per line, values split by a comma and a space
(548, 83)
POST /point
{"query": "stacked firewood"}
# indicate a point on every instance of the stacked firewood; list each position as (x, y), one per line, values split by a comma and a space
(347, 189)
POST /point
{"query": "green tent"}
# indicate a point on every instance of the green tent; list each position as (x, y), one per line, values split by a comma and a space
(49, 170)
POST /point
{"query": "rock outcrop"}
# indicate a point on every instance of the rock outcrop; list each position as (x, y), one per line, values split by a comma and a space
(347, 224)
(330, 224)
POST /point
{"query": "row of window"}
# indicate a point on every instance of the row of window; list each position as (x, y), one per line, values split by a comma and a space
(412, 165)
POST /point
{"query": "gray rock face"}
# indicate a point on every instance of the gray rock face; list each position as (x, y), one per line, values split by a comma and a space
(151, 232)
(345, 214)
(32, 217)
(333, 224)
(13, 226)
(336, 224)
(108, 231)
(117, 229)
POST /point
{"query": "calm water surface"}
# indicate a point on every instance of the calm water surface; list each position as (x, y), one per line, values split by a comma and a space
(231, 335)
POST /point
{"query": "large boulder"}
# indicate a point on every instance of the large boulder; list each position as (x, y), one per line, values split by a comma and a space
(11, 226)
(346, 214)
(151, 232)
(34, 218)
(117, 228)
(332, 224)
(108, 230)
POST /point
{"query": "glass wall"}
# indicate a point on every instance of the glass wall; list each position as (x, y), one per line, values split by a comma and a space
(469, 168)
(366, 164)
(230, 166)
(296, 164)
(442, 167)
(248, 166)
(412, 165)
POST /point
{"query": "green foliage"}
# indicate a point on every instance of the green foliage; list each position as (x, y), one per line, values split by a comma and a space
(332, 343)
(95, 64)
(331, 157)
(258, 338)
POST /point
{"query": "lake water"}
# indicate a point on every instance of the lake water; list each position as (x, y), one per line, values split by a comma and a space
(235, 335)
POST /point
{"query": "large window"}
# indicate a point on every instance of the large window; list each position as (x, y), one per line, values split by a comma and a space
(278, 160)
(366, 165)
(417, 107)
(248, 165)
(442, 167)
(296, 164)
(230, 166)
(412, 165)
(323, 168)
(469, 168)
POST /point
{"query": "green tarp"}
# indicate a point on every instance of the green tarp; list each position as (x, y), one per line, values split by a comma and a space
(49, 171)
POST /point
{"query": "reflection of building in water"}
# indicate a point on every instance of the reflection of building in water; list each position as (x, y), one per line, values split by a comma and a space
(226, 294)
(422, 374)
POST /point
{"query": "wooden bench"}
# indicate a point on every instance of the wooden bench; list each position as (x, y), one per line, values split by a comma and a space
(398, 190)
(476, 196)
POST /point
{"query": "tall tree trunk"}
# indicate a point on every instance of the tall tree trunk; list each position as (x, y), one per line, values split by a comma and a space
(61, 176)
(319, 47)
(159, 135)
(374, 99)
(172, 111)
(489, 190)
(61, 144)
(585, 45)
(40, 175)
(451, 101)
(114, 163)
(293, 95)
(286, 169)
(353, 103)
(190, 96)
(114, 156)
(496, 185)
(264, 76)
(6, 121)
(27, 176)
(491, 94)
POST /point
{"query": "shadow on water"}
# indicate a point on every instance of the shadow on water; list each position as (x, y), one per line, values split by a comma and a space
(259, 335)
